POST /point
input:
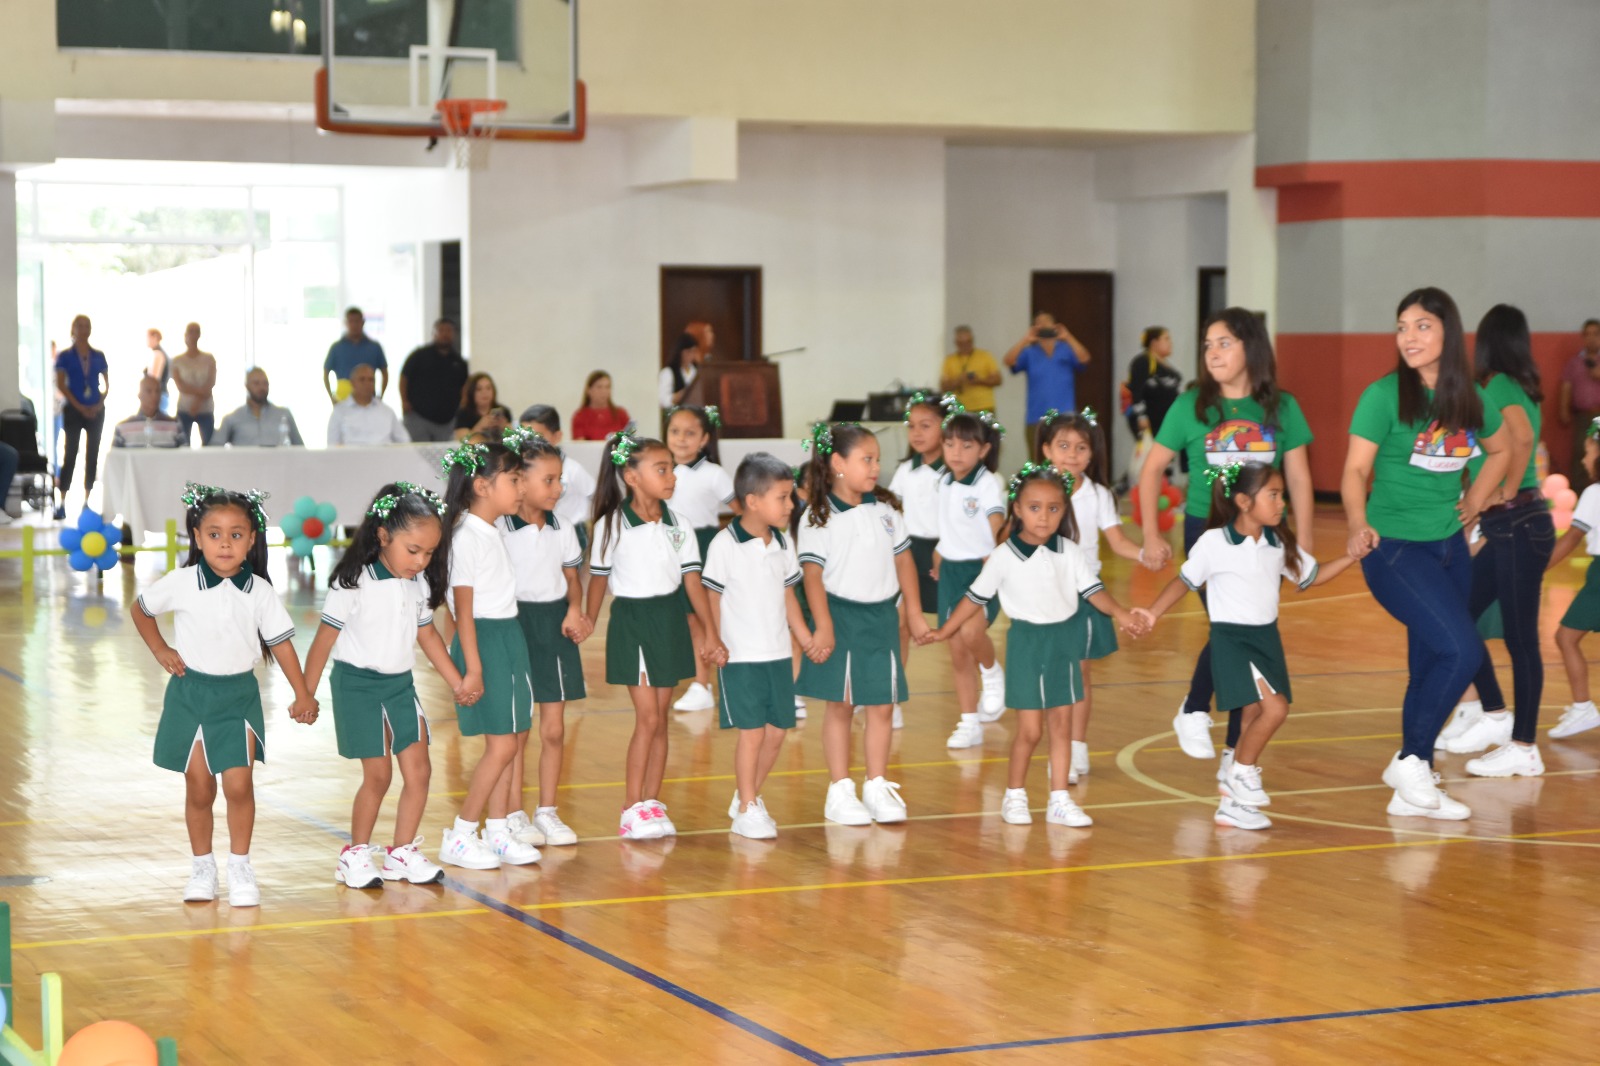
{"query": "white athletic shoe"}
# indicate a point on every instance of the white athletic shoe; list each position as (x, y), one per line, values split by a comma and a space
(1014, 807)
(556, 833)
(639, 822)
(467, 850)
(1577, 718)
(992, 700)
(1240, 816)
(753, 824)
(660, 808)
(897, 720)
(1062, 811)
(1460, 721)
(242, 888)
(512, 851)
(1080, 760)
(523, 829)
(968, 733)
(202, 886)
(843, 807)
(1508, 760)
(1489, 731)
(407, 863)
(1243, 784)
(882, 800)
(799, 709)
(1194, 734)
(356, 868)
(1224, 765)
(1449, 810)
(696, 698)
(1414, 780)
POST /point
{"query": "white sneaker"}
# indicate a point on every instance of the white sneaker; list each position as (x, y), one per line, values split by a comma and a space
(1577, 718)
(696, 698)
(523, 829)
(356, 869)
(1460, 721)
(556, 833)
(968, 733)
(1062, 811)
(1243, 784)
(639, 823)
(799, 709)
(1489, 731)
(734, 805)
(1014, 808)
(467, 850)
(1194, 734)
(882, 800)
(202, 886)
(897, 719)
(667, 828)
(1449, 810)
(242, 888)
(407, 863)
(1080, 759)
(992, 700)
(753, 824)
(761, 805)
(843, 807)
(1413, 780)
(1240, 816)
(512, 851)
(1508, 760)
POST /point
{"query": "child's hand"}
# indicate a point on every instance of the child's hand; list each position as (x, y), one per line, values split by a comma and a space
(821, 645)
(937, 636)
(471, 689)
(171, 661)
(715, 652)
(304, 709)
(933, 571)
(1155, 555)
(919, 630)
(572, 626)
(1143, 620)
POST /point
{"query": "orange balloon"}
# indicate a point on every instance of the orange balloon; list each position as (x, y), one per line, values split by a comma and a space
(109, 1043)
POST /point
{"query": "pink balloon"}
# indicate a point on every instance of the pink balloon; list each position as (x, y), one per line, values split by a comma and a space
(1565, 500)
(1562, 517)
(1553, 484)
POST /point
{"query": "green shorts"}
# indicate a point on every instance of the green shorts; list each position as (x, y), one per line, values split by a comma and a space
(649, 639)
(365, 702)
(955, 578)
(1093, 633)
(1243, 655)
(506, 705)
(221, 711)
(754, 695)
(927, 585)
(1038, 675)
(865, 667)
(582, 530)
(552, 656)
(704, 535)
(1584, 613)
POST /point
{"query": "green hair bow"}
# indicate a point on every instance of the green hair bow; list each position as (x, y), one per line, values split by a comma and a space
(469, 457)
(1031, 471)
(1228, 473)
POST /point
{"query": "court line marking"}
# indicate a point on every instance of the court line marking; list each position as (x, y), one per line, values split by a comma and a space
(1243, 1023)
(264, 927)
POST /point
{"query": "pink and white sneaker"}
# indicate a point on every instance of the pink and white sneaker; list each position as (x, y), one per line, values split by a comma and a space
(639, 822)
(407, 863)
(661, 816)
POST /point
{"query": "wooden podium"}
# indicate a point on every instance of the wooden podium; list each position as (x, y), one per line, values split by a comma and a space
(746, 394)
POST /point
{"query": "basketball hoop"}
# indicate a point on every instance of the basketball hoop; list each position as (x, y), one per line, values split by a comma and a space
(470, 124)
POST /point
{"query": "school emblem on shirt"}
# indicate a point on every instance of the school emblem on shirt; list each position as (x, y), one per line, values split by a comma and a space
(969, 506)
(1241, 438)
(675, 537)
(1442, 452)
(888, 523)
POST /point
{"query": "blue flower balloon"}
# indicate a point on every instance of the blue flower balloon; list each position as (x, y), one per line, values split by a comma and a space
(92, 543)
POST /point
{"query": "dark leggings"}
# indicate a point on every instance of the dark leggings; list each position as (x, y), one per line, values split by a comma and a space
(1201, 688)
(1510, 568)
(74, 424)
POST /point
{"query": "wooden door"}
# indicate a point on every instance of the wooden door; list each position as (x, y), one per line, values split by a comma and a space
(729, 298)
(1081, 300)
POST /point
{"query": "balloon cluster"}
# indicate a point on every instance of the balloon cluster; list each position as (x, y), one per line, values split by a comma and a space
(309, 524)
(1558, 490)
(1168, 504)
(92, 542)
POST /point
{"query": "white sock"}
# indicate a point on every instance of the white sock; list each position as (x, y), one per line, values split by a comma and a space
(1060, 795)
(1468, 707)
(202, 861)
(970, 717)
(464, 826)
(544, 810)
(491, 826)
(1016, 792)
(1499, 716)
(1586, 703)
(1080, 746)
(239, 860)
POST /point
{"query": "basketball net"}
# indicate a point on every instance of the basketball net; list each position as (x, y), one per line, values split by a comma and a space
(470, 125)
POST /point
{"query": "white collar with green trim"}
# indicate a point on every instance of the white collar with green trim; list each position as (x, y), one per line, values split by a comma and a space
(744, 536)
(518, 522)
(1235, 537)
(630, 517)
(1026, 550)
(210, 579)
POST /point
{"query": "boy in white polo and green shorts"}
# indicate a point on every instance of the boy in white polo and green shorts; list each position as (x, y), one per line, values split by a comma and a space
(750, 572)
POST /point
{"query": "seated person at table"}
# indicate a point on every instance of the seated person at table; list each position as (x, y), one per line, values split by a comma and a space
(481, 411)
(151, 427)
(363, 419)
(259, 422)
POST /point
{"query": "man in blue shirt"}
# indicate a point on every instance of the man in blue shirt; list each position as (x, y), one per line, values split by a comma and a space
(1052, 358)
(354, 349)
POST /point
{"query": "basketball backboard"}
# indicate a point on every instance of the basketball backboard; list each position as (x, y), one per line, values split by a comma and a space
(386, 64)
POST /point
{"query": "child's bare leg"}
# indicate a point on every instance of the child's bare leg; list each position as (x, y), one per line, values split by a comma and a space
(416, 772)
(771, 748)
(1572, 658)
(656, 766)
(487, 789)
(746, 765)
(1080, 710)
(877, 739)
(552, 743)
(199, 797)
(1030, 727)
(1261, 721)
(836, 740)
(376, 774)
(1059, 722)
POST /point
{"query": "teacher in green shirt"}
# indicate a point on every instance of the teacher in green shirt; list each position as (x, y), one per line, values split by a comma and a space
(1413, 434)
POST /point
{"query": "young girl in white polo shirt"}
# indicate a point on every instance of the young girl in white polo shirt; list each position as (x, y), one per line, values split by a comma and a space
(485, 484)
(227, 617)
(1044, 582)
(750, 575)
(577, 484)
(856, 560)
(972, 509)
(380, 605)
(650, 561)
(545, 559)
(1242, 559)
(702, 491)
(916, 484)
(1074, 443)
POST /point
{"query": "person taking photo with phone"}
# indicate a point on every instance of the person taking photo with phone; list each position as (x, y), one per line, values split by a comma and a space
(1052, 358)
(970, 373)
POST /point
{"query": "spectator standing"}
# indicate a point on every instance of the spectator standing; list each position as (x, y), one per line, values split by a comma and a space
(353, 349)
(1052, 358)
(82, 379)
(1153, 383)
(195, 374)
(158, 367)
(598, 418)
(361, 418)
(432, 386)
(259, 423)
(1579, 400)
(971, 373)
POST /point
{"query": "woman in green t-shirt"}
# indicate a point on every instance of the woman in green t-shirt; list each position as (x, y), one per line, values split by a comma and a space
(1412, 434)
(1237, 412)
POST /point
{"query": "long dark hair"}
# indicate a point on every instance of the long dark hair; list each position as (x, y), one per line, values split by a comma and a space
(675, 361)
(410, 508)
(1259, 363)
(702, 416)
(1053, 424)
(469, 392)
(256, 558)
(1045, 474)
(1253, 477)
(844, 438)
(497, 460)
(612, 492)
(966, 426)
(1504, 347)
(588, 383)
(1456, 403)
(534, 447)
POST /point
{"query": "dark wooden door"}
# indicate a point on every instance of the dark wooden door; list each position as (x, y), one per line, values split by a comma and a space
(1081, 300)
(729, 298)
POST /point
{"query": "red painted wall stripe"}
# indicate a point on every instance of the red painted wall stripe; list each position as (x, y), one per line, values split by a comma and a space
(1434, 188)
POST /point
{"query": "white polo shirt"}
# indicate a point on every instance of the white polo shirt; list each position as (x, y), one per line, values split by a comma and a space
(1095, 509)
(642, 560)
(965, 506)
(753, 577)
(368, 424)
(478, 560)
(378, 620)
(577, 489)
(219, 622)
(1241, 575)
(1036, 583)
(917, 485)
(540, 556)
(1586, 517)
(856, 549)
(703, 490)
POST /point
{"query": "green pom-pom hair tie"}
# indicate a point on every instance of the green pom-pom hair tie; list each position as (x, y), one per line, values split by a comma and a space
(623, 448)
(256, 498)
(952, 407)
(515, 437)
(1594, 430)
(1038, 471)
(821, 439)
(383, 506)
(991, 423)
(1088, 415)
(1227, 472)
(194, 494)
(469, 457)
(922, 398)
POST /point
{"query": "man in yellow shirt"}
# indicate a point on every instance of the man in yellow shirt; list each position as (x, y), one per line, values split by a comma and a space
(971, 373)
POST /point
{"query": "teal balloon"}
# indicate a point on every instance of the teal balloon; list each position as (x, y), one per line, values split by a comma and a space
(71, 538)
(88, 521)
(301, 546)
(305, 507)
(327, 512)
(290, 524)
(107, 559)
(79, 561)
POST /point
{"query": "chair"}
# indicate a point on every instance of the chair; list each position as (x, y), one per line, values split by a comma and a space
(20, 429)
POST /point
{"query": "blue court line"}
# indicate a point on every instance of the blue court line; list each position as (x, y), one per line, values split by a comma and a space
(15, 677)
(1248, 1023)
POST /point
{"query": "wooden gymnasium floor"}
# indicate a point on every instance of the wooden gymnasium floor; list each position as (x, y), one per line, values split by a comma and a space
(1339, 935)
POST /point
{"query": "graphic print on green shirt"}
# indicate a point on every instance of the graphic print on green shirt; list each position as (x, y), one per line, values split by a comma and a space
(1239, 432)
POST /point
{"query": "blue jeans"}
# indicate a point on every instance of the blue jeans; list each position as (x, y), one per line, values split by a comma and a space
(207, 423)
(1510, 568)
(1201, 687)
(1426, 585)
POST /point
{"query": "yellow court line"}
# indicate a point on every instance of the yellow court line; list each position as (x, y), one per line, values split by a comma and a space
(265, 927)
